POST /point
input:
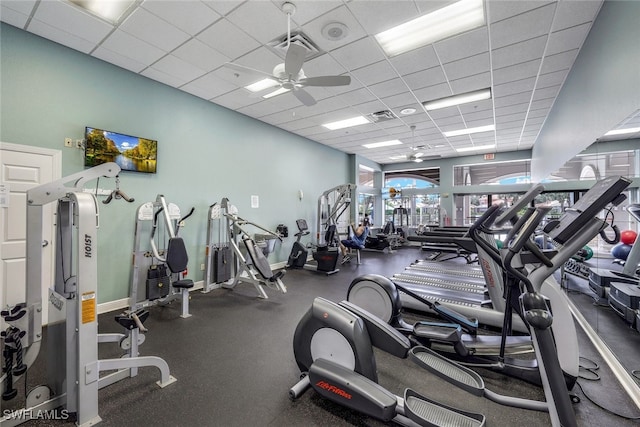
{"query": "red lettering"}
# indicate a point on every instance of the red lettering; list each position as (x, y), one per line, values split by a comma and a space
(333, 389)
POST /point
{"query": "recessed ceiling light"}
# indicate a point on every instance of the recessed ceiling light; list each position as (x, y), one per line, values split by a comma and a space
(407, 111)
(275, 93)
(438, 25)
(475, 148)
(261, 85)
(622, 131)
(335, 31)
(112, 11)
(341, 124)
(469, 131)
(463, 98)
(382, 144)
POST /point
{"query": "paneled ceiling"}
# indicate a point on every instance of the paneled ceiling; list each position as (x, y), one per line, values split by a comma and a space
(523, 53)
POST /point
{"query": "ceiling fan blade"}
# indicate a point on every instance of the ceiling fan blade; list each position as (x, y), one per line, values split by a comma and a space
(249, 70)
(294, 60)
(326, 81)
(304, 97)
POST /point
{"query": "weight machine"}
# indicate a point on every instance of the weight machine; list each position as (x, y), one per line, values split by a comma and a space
(164, 267)
(331, 205)
(235, 253)
(73, 368)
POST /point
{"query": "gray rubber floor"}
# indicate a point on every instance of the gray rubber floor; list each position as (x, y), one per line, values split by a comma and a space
(234, 364)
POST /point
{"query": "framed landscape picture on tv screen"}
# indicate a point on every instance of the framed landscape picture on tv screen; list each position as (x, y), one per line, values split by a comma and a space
(131, 153)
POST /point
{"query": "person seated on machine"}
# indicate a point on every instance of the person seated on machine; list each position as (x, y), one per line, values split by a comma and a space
(355, 241)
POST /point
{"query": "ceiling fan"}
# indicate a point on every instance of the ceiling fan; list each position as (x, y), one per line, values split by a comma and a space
(289, 75)
(415, 156)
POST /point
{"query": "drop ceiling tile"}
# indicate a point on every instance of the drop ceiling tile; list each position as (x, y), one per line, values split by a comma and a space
(479, 115)
(471, 107)
(425, 78)
(511, 109)
(233, 100)
(131, 47)
(72, 20)
(540, 111)
(118, 59)
(388, 88)
(571, 13)
(378, 16)
(153, 30)
(178, 68)
(358, 54)
(223, 7)
(342, 15)
(552, 79)
(516, 72)
(24, 7)
(433, 92)
(518, 98)
(355, 97)
(518, 52)
(162, 77)
(199, 54)
(471, 83)
(190, 18)
(512, 88)
(462, 46)
(228, 39)
(262, 19)
(522, 27)
(260, 109)
(209, 86)
(546, 93)
(370, 107)
(401, 99)
(60, 36)
(500, 10)
(14, 17)
(416, 60)
(375, 73)
(569, 39)
(560, 61)
(507, 118)
(542, 103)
(324, 65)
(261, 59)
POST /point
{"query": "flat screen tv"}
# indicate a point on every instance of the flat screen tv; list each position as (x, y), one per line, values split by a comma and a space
(131, 153)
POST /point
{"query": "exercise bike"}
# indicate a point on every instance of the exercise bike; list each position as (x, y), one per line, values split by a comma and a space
(326, 257)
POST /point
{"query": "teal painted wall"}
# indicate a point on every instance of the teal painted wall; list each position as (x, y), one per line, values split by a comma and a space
(205, 152)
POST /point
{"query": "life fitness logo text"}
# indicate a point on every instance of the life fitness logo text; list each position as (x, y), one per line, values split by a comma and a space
(333, 389)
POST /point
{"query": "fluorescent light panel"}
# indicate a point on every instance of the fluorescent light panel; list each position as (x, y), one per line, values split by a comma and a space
(261, 85)
(367, 168)
(275, 93)
(111, 11)
(475, 148)
(463, 98)
(341, 124)
(382, 144)
(469, 131)
(622, 131)
(454, 19)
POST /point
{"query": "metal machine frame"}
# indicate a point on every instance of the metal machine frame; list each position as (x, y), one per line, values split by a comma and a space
(143, 258)
(73, 366)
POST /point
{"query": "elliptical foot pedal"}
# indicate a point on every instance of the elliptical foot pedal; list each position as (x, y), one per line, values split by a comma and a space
(425, 411)
(448, 370)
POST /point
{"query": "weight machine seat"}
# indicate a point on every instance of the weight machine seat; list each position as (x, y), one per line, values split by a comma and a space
(177, 258)
(259, 260)
(183, 284)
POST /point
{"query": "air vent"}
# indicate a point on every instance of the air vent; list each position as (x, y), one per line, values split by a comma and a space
(279, 45)
(382, 116)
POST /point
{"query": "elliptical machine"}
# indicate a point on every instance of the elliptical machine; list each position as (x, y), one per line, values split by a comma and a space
(326, 257)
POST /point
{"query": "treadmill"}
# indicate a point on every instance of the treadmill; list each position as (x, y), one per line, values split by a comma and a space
(448, 288)
(597, 198)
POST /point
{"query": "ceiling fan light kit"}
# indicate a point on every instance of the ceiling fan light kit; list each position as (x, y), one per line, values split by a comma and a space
(289, 75)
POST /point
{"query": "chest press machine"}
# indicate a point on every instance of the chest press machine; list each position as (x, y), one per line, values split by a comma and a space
(73, 368)
(163, 264)
(235, 257)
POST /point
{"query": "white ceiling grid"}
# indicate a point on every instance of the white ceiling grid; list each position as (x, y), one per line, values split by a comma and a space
(523, 54)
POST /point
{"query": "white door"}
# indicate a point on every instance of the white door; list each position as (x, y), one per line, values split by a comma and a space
(23, 167)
